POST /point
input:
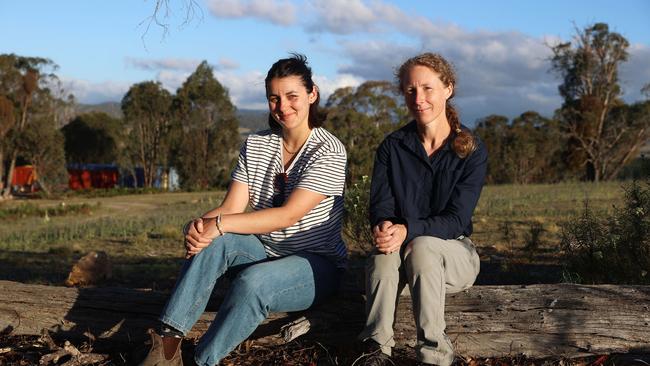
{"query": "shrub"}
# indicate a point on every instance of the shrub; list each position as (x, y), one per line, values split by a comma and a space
(356, 225)
(614, 248)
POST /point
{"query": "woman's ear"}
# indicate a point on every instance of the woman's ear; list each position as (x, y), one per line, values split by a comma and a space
(449, 90)
(313, 95)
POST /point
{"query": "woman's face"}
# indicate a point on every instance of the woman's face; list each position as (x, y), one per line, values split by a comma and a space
(289, 101)
(425, 94)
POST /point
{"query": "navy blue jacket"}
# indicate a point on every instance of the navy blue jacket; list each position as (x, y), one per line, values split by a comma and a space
(432, 196)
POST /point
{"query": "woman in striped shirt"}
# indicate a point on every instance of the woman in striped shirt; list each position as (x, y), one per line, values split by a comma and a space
(287, 250)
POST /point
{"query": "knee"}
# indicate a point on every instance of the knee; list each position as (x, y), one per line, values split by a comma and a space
(381, 265)
(248, 286)
(216, 249)
(424, 252)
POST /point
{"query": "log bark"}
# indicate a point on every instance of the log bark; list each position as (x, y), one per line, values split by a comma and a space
(484, 321)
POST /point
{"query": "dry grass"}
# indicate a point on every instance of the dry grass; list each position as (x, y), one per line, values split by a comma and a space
(141, 233)
(516, 224)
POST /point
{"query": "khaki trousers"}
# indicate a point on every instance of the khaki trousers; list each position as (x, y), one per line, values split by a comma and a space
(431, 267)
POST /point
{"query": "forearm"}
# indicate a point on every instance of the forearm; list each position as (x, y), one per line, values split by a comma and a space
(256, 222)
(440, 226)
(223, 210)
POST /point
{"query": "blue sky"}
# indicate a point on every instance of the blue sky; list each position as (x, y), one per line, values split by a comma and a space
(497, 47)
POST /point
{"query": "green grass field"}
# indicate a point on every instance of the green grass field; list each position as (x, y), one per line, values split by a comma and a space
(41, 239)
(507, 215)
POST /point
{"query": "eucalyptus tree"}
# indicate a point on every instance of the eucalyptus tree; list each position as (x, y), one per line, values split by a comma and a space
(526, 150)
(206, 131)
(148, 119)
(360, 117)
(32, 103)
(600, 140)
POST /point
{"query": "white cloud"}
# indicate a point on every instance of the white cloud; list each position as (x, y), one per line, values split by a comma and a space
(375, 60)
(171, 79)
(163, 64)
(273, 11)
(327, 86)
(227, 64)
(635, 73)
(357, 16)
(178, 64)
(91, 93)
(341, 16)
(246, 90)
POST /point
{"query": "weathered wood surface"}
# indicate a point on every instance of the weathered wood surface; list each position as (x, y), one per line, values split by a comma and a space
(485, 321)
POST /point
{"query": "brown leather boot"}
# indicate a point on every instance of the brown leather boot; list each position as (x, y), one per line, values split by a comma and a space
(165, 351)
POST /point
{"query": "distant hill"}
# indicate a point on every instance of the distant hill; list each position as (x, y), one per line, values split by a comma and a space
(113, 109)
(251, 120)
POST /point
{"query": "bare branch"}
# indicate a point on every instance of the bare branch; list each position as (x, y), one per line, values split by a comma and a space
(162, 12)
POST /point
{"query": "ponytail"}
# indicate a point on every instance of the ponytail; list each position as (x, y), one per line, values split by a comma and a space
(464, 142)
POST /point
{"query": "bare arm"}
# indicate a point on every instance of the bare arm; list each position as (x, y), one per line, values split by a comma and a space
(235, 202)
(299, 203)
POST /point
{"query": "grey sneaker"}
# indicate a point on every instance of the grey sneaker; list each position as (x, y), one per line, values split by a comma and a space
(157, 355)
(442, 354)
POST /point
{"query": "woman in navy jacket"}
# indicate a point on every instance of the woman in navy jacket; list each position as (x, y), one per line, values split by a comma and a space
(426, 182)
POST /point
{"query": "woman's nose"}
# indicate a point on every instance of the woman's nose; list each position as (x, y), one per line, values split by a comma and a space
(418, 96)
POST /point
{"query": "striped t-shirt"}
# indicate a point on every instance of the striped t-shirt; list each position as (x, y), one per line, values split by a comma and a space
(319, 167)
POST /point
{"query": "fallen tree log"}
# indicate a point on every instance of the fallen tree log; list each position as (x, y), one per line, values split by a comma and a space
(485, 321)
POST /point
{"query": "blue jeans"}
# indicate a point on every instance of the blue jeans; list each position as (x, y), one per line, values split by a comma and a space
(262, 285)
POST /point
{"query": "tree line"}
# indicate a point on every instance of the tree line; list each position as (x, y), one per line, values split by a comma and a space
(591, 136)
(194, 131)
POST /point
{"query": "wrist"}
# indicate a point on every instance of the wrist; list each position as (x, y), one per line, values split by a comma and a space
(218, 224)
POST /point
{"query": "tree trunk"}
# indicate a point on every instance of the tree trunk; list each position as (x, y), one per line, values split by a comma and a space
(484, 321)
(10, 176)
(2, 170)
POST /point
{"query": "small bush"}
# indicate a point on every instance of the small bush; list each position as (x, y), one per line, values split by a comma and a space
(356, 225)
(533, 238)
(614, 248)
(639, 168)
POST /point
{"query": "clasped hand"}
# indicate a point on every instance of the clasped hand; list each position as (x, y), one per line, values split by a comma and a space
(199, 235)
(388, 237)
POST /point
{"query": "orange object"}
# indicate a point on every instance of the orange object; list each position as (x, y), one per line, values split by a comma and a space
(87, 176)
(23, 176)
